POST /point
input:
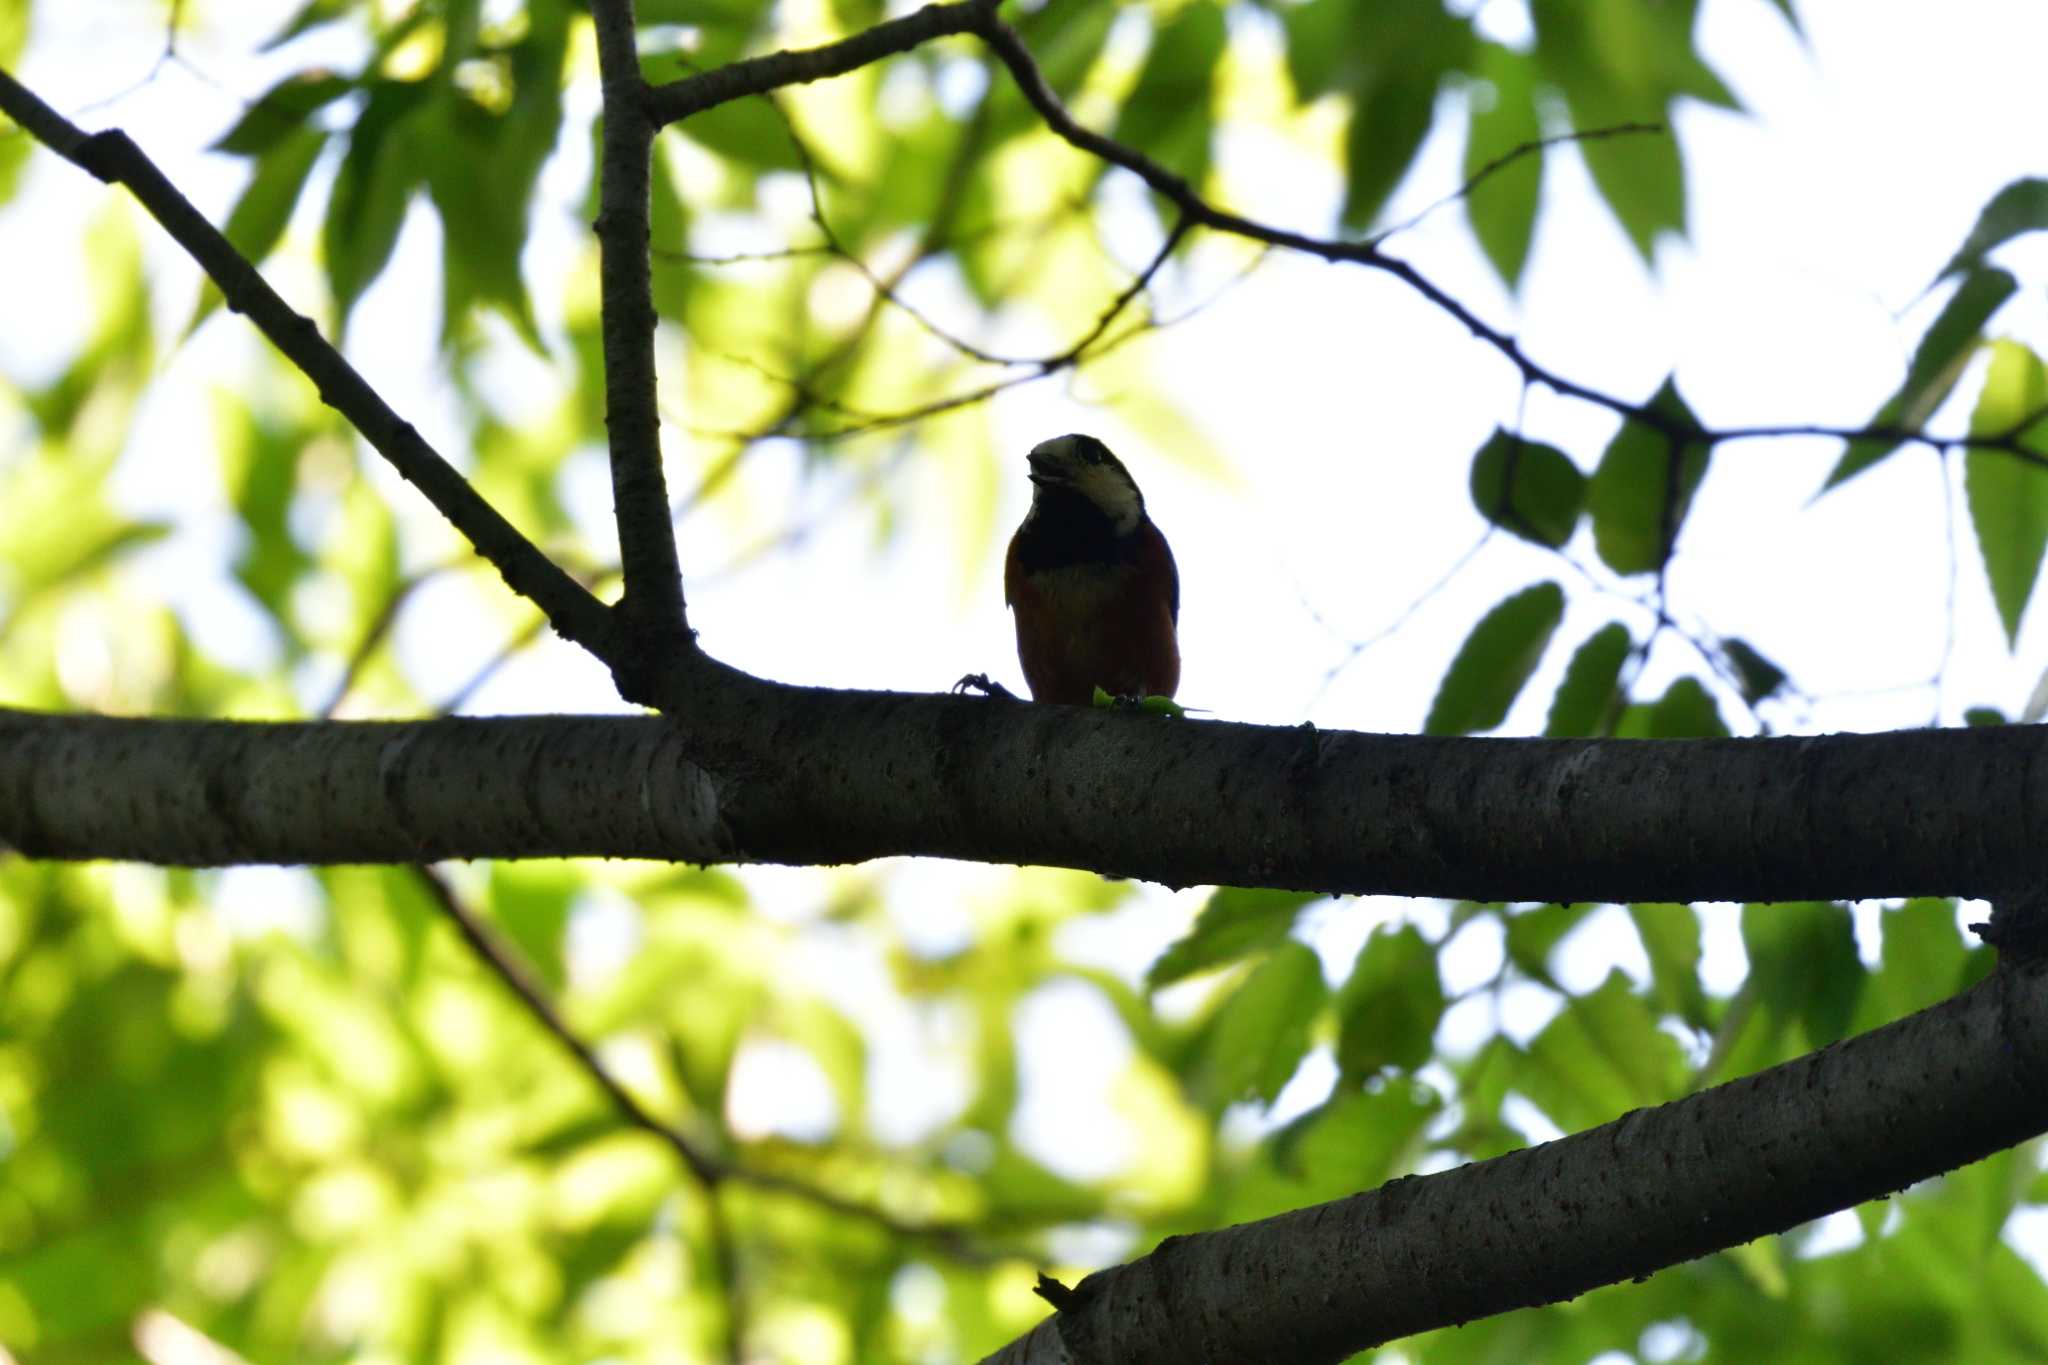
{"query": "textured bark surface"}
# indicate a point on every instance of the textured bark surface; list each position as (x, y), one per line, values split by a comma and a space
(1852, 1122)
(761, 772)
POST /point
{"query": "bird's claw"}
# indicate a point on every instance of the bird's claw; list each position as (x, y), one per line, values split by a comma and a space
(982, 683)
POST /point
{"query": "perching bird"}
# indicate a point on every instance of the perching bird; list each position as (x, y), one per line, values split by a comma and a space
(1091, 580)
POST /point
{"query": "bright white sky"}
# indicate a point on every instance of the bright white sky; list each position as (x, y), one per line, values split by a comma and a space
(1350, 410)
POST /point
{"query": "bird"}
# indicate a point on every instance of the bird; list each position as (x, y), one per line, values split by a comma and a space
(1091, 581)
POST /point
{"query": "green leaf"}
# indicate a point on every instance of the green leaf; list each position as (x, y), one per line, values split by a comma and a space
(1258, 1038)
(1937, 364)
(1637, 513)
(281, 112)
(1760, 677)
(1600, 1057)
(2008, 495)
(1236, 921)
(1388, 123)
(1170, 111)
(15, 146)
(1802, 957)
(1534, 933)
(1606, 1052)
(1393, 99)
(2019, 208)
(1671, 940)
(1495, 661)
(474, 156)
(1589, 694)
(1619, 62)
(748, 131)
(1527, 488)
(1643, 179)
(1687, 710)
(1321, 48)
(530, 903)
(311, 15)
(1502, 209)
(371, 191)
(1387, 1010)
(260, 461)
(1352, 1142)
(260, 216)
(1984, 715)
(1924, 961)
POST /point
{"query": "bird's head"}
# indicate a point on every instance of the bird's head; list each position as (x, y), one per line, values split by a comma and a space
(1081, 466)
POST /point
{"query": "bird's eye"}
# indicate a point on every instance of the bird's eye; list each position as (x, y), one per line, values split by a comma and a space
(1093, 452)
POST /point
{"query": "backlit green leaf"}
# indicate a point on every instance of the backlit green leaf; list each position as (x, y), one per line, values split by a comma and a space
(1644, 486)
(1937, 364)
(1760, 677)
(1602, 1056)
(281, 112)
(1257, 1039)
(260, 216)
(1687, 710)
(1802, 957)
(1169, 112)
(1527, 488)
(2008, 494)
(1387, 1010)
(1495, 661)
(371, 191)
(2019, 208)
(1236, 921)
(1502, 208)
(1588, 698)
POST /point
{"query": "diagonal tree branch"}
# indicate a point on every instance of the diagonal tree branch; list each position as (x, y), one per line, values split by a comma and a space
(708, 1169)
(113, 157)
(653, 603)
(677, 100)
(1655, 1187)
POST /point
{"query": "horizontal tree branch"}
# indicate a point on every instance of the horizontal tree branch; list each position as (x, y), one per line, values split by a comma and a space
(1852, 1122)
(113, 157)
(768, 773)
(679, 99)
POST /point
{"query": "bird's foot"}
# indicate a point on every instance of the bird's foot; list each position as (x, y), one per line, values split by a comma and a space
(987, 686)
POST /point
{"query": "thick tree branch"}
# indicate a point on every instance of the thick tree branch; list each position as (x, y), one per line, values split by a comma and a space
(768, 773)
(653, 602)
(1849, 1123)
(113, 157)
(679, 99)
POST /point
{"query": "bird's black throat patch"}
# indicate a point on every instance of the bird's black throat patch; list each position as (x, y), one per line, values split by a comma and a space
(1066, 529)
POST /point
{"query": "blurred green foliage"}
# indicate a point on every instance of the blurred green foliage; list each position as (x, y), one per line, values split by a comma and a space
(296, 1112)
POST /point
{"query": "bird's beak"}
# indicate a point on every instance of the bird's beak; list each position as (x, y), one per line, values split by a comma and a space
(1041, 469)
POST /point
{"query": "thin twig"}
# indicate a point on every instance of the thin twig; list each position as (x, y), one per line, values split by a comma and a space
(709, 1169)
(1508, 158)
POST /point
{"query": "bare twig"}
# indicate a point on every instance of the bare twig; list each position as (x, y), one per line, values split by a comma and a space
(707, 1167)
(1516, 153)
(113, 157)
